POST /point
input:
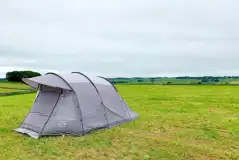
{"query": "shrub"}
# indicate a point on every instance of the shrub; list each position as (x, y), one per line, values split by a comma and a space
(16, 76)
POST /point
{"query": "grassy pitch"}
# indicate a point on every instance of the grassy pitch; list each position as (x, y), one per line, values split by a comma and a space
(176, 122)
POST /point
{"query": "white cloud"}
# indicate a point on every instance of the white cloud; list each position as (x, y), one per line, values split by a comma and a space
(118, 38)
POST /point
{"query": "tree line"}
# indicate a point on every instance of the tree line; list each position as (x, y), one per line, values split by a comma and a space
(16, 76)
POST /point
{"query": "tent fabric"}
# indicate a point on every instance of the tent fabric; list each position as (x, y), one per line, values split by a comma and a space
(49, 80)
(73, 104)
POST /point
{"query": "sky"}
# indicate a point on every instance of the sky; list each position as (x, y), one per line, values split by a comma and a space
(120, 37)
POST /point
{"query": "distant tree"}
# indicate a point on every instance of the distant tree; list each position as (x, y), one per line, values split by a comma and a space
(16, 76)
(132, 80)
(120, 82)
(204, 80)
(151, 80)
(140, 80)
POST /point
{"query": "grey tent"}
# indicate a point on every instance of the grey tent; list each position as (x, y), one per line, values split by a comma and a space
(73, 104)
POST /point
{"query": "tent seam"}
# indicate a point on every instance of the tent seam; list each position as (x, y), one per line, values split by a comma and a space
(127, 108)
(109, 83)
(75, 94)
(51, 112)
(122, 100)
(97, 91)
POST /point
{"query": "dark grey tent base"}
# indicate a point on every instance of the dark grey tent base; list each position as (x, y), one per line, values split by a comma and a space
(36, 135)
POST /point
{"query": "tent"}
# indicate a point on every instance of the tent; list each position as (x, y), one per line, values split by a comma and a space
(73, 104)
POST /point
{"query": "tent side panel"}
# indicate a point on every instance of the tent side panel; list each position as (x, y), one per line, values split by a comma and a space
(98, 93)
(41, 110)
(115, 120)
(91, 106)
(66, 118)
(108, 82)
(112, 100)
(90, 103)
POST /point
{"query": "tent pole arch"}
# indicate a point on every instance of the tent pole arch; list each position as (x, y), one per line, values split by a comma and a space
(88, 80)
(74, 92)
(96, 91)
(109, 82)
(61, 79)
(51, 112)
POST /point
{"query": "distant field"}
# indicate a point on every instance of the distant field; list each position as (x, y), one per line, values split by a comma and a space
(235, 82)
(169, 80)
(13, 84)
(177, 81)
(176, 123)
(8, 90)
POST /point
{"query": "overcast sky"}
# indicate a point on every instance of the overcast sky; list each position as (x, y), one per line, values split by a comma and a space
(121, 37)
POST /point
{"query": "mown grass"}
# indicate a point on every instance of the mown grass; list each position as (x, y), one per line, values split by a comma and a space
(176, 122)
(5, 90)
(13, 85)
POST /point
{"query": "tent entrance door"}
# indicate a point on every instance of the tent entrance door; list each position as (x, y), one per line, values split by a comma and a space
(41, 110)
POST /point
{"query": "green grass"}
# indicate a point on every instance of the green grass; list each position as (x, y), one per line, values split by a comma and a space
(11, 88)
(4, 90)
(176, 122)
(13, 85)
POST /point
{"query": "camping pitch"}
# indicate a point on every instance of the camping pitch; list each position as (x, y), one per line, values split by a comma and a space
(73, 104)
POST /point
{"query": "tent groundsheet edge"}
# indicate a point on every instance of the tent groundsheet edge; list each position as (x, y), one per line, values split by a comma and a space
(28, 132)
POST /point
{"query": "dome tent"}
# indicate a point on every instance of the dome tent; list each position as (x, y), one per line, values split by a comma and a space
(73, 104)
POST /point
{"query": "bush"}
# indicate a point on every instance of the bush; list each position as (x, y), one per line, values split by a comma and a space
(16, 76)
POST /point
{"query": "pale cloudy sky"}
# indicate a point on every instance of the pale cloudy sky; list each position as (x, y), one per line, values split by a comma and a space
(121, 37)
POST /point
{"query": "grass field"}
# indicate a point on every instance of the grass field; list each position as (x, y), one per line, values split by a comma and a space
(3, 90)
(13, 85)
(176, 122)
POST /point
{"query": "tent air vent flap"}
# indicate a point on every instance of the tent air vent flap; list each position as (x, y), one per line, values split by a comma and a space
(48, 80)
